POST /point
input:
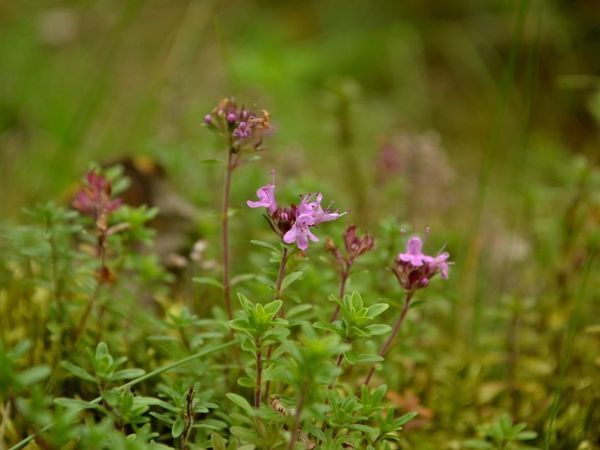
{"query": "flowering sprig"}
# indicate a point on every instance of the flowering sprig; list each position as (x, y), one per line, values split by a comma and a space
(243, 128)
(355, 246)
(95, 199)
(413, 269)
(293, 224)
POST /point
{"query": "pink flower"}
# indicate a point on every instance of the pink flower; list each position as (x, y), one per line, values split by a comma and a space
(414, 269)
(308, 214)
(439, 264)
(413, 253)
(266, 198)
(244, 127)
(293, 224)
(300, 233)
(95, 198)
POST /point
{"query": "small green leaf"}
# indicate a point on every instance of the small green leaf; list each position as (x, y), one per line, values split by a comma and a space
(75, 404)
(378, 329)
(243, 434)
(33, 375)
(240, 325)
(266, 245)
(241, 278)
(246, 304)
(101, 351)
(273, 307)
(365, 358)
(126, 374)
(289, 279)
(162, 418)
(296, 310)
(218, 443)
(77, 371)
(208, 281)
(356, 301)
(404, 419)
(152, 401)
(526, 435)
(375, 310)
(177, 427)
(363, 428)
(246, 382)
(240, 401)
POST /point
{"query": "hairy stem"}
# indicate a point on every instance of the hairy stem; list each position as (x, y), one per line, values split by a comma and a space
(343, 280)
(386, 345)
(281, 275)
(225, 235)
(259, 369)
(101, 277)
(277, 296)
(297, 420)
(188, 417)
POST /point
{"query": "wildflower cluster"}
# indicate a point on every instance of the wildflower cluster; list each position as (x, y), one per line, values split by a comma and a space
(95, 198)
(355, 246)
(295, 362)
(293, 224)
(242, 127)
(414, 269)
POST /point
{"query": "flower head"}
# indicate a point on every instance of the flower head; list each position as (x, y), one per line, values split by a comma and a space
(354, 246)
(413, 253)
(357, 245)
(95, 198)
(244, 128)
(293, 224)
(414, 269)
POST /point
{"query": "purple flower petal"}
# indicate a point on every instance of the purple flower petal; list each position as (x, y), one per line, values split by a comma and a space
(266, 198)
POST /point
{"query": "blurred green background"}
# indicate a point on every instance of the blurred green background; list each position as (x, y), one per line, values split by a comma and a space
(476, 118)
(505, 84)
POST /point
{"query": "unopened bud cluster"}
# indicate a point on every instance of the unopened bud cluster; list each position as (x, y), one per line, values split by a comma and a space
(243, 128)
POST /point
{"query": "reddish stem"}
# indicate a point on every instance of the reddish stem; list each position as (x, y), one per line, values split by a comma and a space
(277, 296)
(259, 369)
(225, 235)
(343, 280)
(386, 345)
(297, 420)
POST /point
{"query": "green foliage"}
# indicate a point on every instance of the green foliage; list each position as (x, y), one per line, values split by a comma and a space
(14, 381)
(146, 358)
(503, 435)
(356, 324)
